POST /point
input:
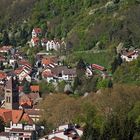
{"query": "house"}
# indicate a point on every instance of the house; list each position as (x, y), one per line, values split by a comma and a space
(130, 55)
(47, 75)
(16, 116)
(19, 131)
(49, 62)
(36, 32)
(98, 67)
(28, 100)
(35, 42)
(25, 102)
(59, 73)
(23, 72)
(65, 132)
(64, 73)
(52, 45)
(24, 75)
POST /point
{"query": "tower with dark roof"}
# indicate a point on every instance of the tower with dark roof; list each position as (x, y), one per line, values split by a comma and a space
(11, 94)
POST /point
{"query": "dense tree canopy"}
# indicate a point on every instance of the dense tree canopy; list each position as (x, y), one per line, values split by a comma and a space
(110, 113)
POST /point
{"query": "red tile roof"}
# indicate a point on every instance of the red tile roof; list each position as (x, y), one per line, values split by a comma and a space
(98, 67)
(47, 61)
(35, 39)
(129, 54)
(47, 74)
(34, 88)
(25, 63)
(37, 30)
(25, 101)
(15, 116)
(28, 99)
(18, 70)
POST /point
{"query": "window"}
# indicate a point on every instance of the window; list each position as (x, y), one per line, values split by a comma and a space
(8, 91)
(8, 99)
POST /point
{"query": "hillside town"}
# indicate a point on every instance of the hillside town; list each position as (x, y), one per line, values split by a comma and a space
(19, 98)
(20, 90)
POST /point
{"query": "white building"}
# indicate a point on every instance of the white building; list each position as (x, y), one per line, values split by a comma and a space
(52, 45)
(24, 73)
(89, 72)
(65, 132)
(19, 132)
(130, 56)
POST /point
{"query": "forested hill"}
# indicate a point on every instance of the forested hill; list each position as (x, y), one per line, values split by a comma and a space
(14, 11)
(83, 22)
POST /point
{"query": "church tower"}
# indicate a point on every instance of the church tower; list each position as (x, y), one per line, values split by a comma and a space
(11, 94)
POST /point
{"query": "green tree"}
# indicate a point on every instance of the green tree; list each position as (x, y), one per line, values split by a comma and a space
(46, 88)
(134, 115)
(116, 62)
(61, 86)
(104, 83)
(26, 87)
(81, 65)
(92, 132)
(5, 40)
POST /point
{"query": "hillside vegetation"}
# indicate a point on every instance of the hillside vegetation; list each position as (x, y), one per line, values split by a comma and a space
(84, 23)
(92, 26)
(14, 11)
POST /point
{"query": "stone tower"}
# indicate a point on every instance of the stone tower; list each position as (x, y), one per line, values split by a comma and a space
(11, 94)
